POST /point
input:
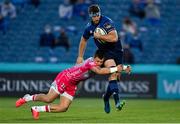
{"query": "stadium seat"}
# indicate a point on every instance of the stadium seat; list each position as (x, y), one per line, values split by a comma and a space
(23, 34)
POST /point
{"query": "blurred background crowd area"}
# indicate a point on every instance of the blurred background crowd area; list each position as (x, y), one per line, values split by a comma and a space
(49, 31)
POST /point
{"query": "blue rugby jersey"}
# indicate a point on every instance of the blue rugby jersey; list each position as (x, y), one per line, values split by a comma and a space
(108, 25)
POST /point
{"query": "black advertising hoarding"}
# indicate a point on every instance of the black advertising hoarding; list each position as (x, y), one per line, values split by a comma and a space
(131, 86)
(18, 84)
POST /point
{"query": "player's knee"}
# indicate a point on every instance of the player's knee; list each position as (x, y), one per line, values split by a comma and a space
(63, 108)
(113, 76)
(66, 107)
(48, 100)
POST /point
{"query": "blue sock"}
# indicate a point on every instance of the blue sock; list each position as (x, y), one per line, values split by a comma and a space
(107, 94)
(115, 91)
(116, 98)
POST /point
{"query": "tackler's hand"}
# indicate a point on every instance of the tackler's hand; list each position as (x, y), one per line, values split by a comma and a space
(128, 69)
(79, 60)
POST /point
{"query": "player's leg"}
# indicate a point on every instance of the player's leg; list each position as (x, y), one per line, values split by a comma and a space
(62, 106)
(119, 104)
(106, 97)
(65, 101)
(118, 60)
(47, 98)
(112, 85)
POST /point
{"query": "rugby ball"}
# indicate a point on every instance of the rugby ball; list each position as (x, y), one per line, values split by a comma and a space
(102, 32)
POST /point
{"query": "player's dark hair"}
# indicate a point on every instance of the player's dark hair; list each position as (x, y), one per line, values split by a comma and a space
(94, 8)
(99, 54)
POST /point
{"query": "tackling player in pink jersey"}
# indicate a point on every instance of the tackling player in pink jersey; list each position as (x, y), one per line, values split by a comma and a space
(65, 85)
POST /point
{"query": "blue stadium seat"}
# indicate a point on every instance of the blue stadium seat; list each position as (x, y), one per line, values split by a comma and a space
(161, 44)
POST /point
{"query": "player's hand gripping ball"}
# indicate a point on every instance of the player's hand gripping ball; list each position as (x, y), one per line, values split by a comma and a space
(100, 31)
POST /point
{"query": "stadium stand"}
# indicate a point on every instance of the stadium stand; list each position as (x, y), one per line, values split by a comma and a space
(20, 44)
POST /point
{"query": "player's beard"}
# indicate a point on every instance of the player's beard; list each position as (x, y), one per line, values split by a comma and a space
(96, 21)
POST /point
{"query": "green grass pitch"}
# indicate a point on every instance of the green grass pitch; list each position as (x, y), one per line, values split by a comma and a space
(91, 111)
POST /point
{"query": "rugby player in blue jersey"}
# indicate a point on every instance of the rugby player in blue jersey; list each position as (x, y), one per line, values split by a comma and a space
(112, 48)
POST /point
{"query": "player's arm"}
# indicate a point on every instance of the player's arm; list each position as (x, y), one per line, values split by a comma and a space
(112, 36)
(82, 47)
(102, 71)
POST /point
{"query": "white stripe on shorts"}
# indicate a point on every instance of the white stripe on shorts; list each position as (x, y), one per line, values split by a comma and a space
(54, 87)
(67, 96)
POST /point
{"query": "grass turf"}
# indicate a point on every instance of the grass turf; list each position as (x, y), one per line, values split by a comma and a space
(91, 111)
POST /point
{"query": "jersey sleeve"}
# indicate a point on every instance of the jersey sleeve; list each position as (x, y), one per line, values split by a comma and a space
(108, 26)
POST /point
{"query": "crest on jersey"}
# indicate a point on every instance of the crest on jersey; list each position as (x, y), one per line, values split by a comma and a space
(107, 25)
(91, 31)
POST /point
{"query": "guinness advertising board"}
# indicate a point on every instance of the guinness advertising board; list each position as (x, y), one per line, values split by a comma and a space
(18, 84)
(131, 86)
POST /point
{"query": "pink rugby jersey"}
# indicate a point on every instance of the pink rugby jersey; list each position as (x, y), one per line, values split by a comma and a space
(78, 72)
